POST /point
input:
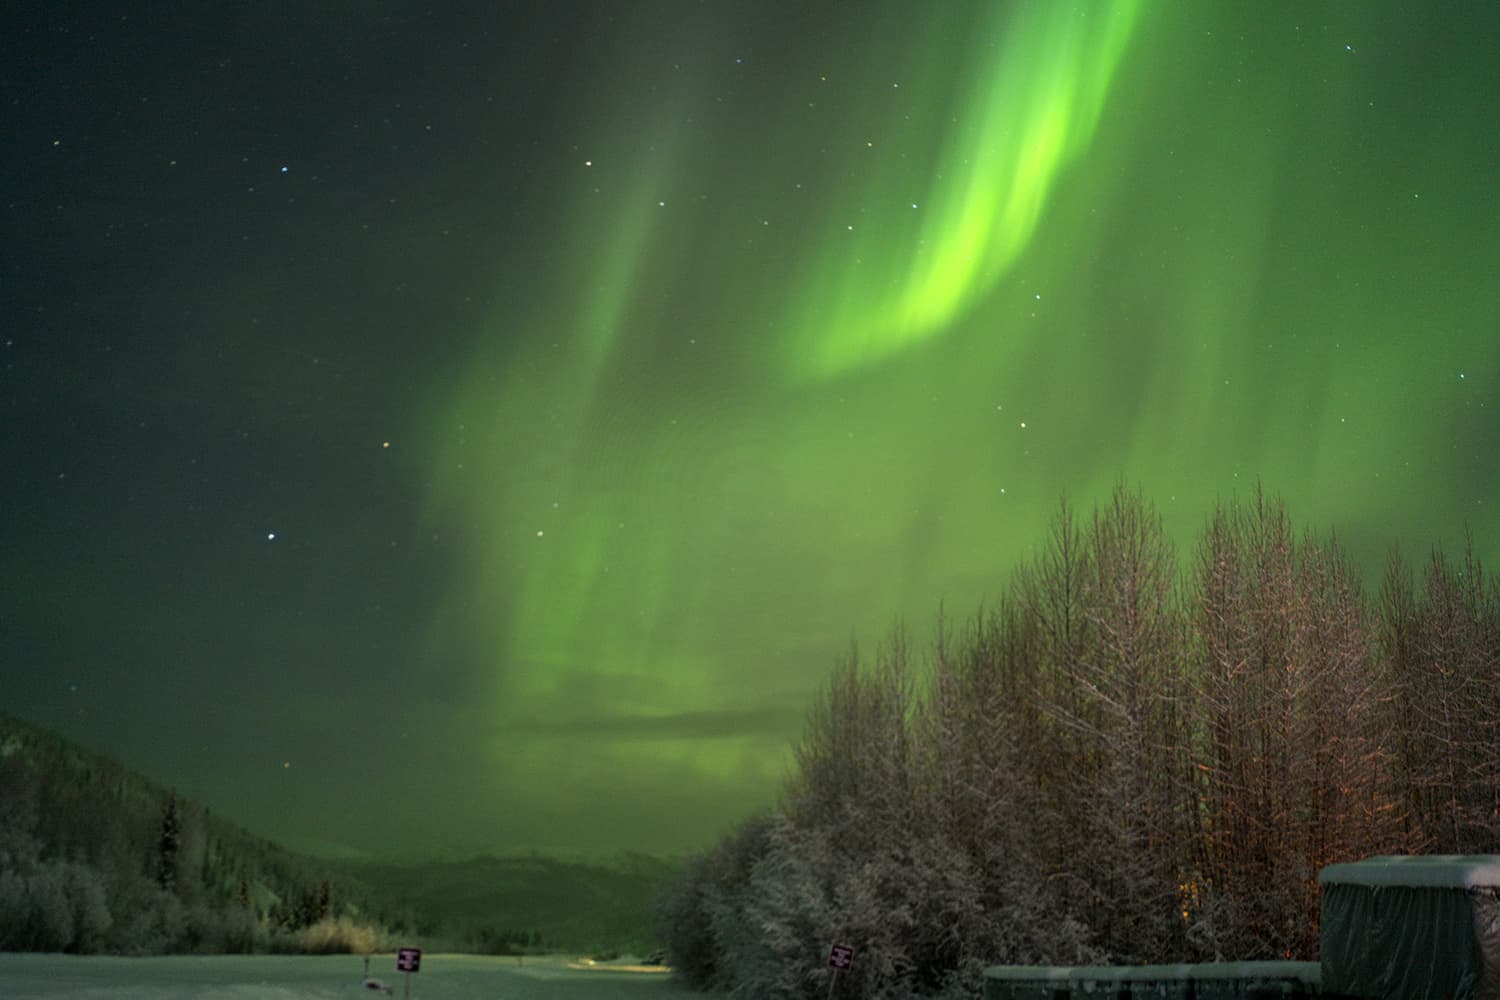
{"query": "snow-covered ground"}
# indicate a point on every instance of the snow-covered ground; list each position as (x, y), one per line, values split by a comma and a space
(285, 977)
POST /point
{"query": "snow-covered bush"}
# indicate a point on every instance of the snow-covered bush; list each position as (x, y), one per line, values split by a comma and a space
(338, 936)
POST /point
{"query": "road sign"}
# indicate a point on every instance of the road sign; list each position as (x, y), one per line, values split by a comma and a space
(408, 959)
(841, 956)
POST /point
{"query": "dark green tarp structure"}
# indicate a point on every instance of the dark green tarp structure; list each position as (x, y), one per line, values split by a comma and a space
(1412, 927)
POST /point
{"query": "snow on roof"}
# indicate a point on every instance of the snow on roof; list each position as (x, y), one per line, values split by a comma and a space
(1418, 871)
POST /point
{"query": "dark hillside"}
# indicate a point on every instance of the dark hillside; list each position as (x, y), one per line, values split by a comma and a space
(90, 862)
(96, 857)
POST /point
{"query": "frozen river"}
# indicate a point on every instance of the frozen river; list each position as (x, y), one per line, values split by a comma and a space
(284, 977)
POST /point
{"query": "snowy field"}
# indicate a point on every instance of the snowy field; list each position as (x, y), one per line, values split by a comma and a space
(284, 977)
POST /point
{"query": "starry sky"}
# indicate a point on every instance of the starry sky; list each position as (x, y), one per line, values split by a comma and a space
(435, 428)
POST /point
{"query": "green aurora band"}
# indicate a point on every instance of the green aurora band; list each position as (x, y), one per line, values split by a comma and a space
(829, 317)
(1026, 109)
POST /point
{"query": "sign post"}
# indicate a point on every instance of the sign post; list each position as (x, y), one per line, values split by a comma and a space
(408, 960)
(840, 957)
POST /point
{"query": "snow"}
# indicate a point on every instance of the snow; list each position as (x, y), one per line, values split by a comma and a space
(294, 977)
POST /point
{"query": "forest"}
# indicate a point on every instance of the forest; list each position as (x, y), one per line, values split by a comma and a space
(96, 858)
(1131, 757)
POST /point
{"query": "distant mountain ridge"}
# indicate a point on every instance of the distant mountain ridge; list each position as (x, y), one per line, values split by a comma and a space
(81, 869)
(490, 902)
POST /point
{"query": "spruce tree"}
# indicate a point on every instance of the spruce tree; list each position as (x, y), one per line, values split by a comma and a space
(323, 908)
(168, 846)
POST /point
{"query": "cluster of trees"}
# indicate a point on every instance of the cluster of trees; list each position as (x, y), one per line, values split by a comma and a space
(94, 858)
(492, 940)
(1132, 758)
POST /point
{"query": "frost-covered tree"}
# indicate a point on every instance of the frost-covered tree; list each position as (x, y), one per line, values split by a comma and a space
(1442, 650)
(1129, 707)
(1289, 717)
(19, 847)
(59, 906)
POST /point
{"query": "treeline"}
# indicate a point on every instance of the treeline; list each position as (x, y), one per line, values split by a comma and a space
(531, 903)
(95, 858)
(1132, 758)
(492, 940)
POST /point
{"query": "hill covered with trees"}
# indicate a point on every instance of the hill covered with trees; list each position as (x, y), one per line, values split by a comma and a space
(1131, 758)
(97, 858)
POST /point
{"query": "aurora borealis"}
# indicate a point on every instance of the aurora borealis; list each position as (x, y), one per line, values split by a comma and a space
(601, 372)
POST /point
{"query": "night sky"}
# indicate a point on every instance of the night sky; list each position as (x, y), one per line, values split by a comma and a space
(433, 428)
